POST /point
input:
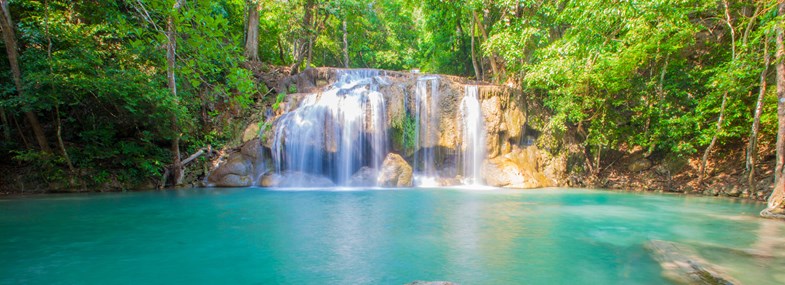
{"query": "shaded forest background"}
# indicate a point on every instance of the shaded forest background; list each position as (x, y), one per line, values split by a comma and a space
(117, 94)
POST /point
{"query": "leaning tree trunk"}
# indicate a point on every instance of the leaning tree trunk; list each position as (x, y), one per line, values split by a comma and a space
(707, 152)
(252, 38)
(752, 148)
(6, 23)
(6, 125)
(776, 205)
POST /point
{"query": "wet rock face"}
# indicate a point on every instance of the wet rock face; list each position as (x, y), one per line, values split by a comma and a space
(503, 112)
(395, 172)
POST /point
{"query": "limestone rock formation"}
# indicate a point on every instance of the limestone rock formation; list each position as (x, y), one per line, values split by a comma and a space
(395, 172)
(238, 168)
(234, 172)
(521, 168)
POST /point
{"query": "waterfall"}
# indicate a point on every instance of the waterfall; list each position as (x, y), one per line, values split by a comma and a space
(427, 132)
(336, 132)
(472, 149)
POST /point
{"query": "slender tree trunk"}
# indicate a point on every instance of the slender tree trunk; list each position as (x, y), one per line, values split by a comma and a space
(707, 152)
(171, 54)
(6, 125)
(21, 133)
(484, 34)
(474, 54)
(58, 122)
(345, 44)
(752, 148)
(252, 38)
(280, 51)
(776, 205)
(6, 23)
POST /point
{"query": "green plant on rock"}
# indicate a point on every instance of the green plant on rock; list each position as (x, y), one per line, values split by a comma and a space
(404, 133)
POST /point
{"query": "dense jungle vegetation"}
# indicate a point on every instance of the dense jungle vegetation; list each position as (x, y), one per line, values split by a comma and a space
(100, 92)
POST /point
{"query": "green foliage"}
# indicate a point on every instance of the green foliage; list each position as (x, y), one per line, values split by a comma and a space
(647, 74)
(404, 132)
(278, 100)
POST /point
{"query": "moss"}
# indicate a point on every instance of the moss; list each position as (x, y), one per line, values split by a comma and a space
(404, 133)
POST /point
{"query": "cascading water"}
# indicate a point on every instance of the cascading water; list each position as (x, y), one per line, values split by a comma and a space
(473, 134)
(427, 133)
(336, 132)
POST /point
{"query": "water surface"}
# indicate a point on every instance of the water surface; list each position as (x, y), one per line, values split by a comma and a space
(259, 236)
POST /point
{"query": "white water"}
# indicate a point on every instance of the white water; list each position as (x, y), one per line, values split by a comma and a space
(336, 132)
(473, 133)
(427, 133)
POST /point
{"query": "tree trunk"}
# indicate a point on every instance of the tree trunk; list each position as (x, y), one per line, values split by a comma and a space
(752, 148)
(707, 152)
(6, 23)
(58, 122)
(306, 25)
(704, 160)
(171, 54)
(776, 205)
(280, 51)
(474, 54)
(484, 34)
(6, 125)
(252, 38)
(345, 44)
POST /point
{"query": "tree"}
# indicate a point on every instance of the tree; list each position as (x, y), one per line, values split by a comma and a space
(171, 54)
(776, 203)
(6, 23)
(252, 35)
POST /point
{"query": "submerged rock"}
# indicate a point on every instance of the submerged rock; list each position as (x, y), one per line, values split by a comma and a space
(295, 179)
(395, 172)
(682, 264)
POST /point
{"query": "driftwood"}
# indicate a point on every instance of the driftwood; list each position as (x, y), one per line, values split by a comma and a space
(179, 180)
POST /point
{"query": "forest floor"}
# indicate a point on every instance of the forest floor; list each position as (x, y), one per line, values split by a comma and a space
(726, 173)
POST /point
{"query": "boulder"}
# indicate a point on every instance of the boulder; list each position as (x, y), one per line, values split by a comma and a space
(252, 148)
(251, 132)
(521, 168)
(235, 171)
(233, 180)
(639, 165)
(395, 172)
